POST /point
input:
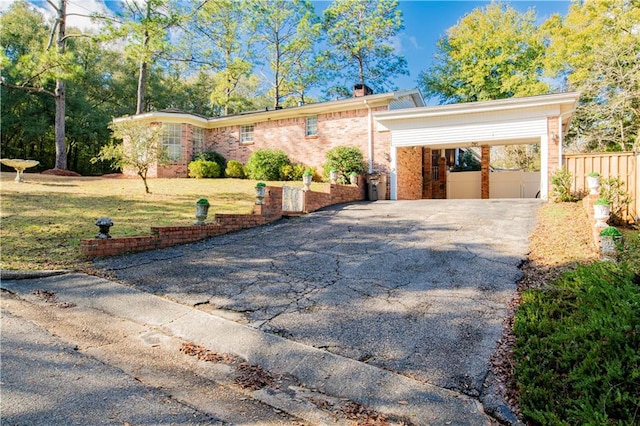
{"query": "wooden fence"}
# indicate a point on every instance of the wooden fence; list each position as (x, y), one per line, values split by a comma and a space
(623, 165)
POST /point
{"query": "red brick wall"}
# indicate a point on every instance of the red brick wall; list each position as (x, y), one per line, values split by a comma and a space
(409, 161)
(346, 128)
(166, 236)
(484, 170)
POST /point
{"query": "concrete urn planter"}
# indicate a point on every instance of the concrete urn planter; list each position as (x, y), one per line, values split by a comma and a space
(306, 181)
(593, 182)
(202, 211)
(261, 192)
(601, 214)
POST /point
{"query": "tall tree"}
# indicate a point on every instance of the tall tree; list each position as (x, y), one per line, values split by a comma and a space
(494, 52)
(594, 50)
(43, 70)
(145, 28)
(229, 36)
(359, 33)
(288, 29)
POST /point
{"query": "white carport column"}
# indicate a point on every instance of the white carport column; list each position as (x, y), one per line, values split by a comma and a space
(393, 173)
(544, 167)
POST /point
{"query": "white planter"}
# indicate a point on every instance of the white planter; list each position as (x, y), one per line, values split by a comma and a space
(593, 182)
(601, 214)
(608, 246)
(353, 179)
(333, 177)
(202, 210)
(306, 181)
(260, 194)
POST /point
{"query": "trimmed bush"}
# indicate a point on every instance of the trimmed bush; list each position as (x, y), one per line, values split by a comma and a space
(265, 164)
(203, 169)
(215, 157)
(234, 169)
(293, 172)
(345, 160)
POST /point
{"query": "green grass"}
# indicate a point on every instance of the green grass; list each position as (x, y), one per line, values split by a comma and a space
(577, 347)
(44, 218)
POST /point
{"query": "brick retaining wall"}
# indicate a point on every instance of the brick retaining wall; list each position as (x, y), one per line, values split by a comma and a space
(166, 236)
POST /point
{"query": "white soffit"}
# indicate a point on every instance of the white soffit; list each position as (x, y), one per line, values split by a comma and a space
(501, 122)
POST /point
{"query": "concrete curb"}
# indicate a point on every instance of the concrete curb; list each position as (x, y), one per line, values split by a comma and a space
(7, 274)
(378, 389)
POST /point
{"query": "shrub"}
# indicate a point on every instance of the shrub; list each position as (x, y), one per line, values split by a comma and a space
(577, 348)
(613, 190)
(561, 182)
(293, 171)
(213, 156)
(203, 169)
(265, 164)
(345, 160)
(234, 169)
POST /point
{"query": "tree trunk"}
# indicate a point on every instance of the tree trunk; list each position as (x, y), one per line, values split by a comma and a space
(142, 82)
(61, 94)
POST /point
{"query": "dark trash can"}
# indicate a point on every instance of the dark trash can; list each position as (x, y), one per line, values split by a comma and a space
(372, 187)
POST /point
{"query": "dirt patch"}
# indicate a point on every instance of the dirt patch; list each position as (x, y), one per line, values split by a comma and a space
(61, 172)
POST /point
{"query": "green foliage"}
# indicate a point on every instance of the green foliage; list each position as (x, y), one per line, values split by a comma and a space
(577, 348)
(213, 156)
(594, 50)
(613, 190)
(611, 231)
(140, 149)
(289, 30)
(234, 169)
(293, 172)
(468, 162)
(561, 181)
(265, 164)
(360, 34)
(494, 52)
(345, 160)
(204, 169)
(203, 202)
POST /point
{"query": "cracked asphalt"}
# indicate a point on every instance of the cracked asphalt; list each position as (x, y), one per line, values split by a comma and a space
(420, 288)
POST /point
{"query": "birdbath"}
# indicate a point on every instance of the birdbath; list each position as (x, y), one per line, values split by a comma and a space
(19, 165)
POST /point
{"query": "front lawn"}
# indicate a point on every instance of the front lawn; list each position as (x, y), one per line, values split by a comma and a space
(44, 218)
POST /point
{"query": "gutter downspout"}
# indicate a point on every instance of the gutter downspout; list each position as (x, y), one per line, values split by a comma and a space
(370, 135)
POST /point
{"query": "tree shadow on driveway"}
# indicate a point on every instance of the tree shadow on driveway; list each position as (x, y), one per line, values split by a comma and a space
(420, 288)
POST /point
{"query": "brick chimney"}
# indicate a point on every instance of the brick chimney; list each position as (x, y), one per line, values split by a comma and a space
(360, 90)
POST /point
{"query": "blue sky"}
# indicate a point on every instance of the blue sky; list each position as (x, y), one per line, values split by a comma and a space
(425, 22)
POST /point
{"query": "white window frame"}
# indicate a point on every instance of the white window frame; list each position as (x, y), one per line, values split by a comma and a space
(172, 140)
(198, 140)
(246, 133)
(311, 125)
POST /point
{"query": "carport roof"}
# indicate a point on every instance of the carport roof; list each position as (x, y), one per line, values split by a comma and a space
(500, 122)
(560, 102)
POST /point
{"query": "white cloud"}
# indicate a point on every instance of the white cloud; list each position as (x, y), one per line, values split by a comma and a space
(78, 12)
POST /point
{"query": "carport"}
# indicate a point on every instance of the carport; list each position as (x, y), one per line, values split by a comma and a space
(540, 120)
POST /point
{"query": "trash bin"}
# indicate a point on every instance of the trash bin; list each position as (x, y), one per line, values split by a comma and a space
(372, 186)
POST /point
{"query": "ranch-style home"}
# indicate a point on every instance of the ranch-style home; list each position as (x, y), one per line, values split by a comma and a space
(410, 145)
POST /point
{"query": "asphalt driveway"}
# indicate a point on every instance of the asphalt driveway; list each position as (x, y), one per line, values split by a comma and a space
(416, 287)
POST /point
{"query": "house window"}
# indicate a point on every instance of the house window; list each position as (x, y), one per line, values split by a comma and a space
(312, 125)
(172, 140)
(198, 140)
(246, 133)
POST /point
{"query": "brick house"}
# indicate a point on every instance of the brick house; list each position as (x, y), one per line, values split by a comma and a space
(304, 132)
(409, 144)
